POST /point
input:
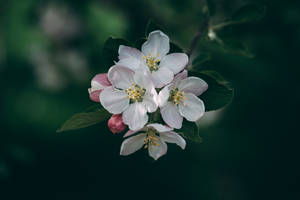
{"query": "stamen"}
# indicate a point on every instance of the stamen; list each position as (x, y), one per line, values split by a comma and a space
(177, 97)
(152, 62)
(151, 139)
(135, 93)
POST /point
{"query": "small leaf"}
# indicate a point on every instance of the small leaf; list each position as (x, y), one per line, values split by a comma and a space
(190, 131)
(219, 92)
(110, 50)
(211, 4)
(225, 47)
(248, 13)
(151, 26)
(85, 119)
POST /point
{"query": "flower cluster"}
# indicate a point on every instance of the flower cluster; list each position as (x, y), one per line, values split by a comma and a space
(147, 82)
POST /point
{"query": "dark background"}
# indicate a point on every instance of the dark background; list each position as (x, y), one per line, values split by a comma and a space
(50, 50)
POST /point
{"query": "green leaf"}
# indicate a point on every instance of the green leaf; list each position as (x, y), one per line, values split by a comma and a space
(219, 92)
(226, 47)
(248, 13)
(190, 131)
(85, 119)
(211, 4)
(174, 48)
(200, 59)
(110, 50)
(151, 26)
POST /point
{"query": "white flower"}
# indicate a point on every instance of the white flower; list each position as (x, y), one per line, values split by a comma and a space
(132, 93)
(153, 137)
(179, 99)
(154, 58)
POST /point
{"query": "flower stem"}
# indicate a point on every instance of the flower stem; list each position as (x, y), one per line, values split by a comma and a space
(203, 28)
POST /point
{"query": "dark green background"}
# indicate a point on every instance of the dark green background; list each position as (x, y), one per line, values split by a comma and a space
(249, 152)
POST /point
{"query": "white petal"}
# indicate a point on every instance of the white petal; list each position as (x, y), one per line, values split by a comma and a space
(120, 76)
(172, 137)
(180, 76)
(131, 132)
(160, 128)
(130, 57)
(143, 78)
(162, 77)
(163, 95)
(150, 102)
(130, 63)
(194, 108)
(113, 100)
(175, 62)
(171, 115)
(157, 45)
(132, 144)
(135, 116)
(157, 151)
(193, 85)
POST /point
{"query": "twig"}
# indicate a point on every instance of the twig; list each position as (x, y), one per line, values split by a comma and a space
(202, 30)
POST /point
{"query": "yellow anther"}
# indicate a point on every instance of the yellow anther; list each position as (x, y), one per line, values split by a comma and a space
(151, 139)
(177, 97)
(152, 62)
(135, 93)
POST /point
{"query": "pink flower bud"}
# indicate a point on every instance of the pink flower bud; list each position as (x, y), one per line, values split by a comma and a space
(98, 83)
(115, 124)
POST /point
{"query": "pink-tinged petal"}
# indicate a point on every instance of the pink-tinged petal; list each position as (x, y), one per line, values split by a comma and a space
(115, 124)
(193, 109)
(132, 144)
(157, 45)
(100, 81)
(160, 128)
(95, 95)
(171, 115)
(113, 100)
(193, 85)
(130, 57)
(120, 76)
(172, 137)
(163, 95)
(135, 116)
(180, 76)
(175, 62)
(162, 77)
(157, 151)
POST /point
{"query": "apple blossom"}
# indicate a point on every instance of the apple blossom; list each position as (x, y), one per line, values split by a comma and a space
(153, 137)
(132, 94)
(154, 57)
(179, 99)
(98, 83)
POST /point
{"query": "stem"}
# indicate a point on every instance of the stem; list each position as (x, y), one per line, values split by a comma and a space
(202, 29)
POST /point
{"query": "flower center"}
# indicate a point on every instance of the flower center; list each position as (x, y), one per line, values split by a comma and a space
(152, 62)
(177, 96)
(135, 93)
(151, 139)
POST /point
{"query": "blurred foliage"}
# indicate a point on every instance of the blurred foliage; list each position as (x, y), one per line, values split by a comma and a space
(49, 51)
